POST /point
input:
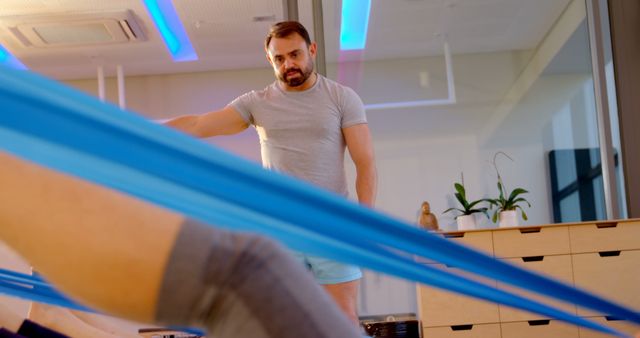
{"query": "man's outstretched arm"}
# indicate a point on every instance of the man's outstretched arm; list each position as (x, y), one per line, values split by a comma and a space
(222, 122)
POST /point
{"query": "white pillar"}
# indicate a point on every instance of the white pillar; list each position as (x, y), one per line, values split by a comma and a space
(101, 90)
(121, 94)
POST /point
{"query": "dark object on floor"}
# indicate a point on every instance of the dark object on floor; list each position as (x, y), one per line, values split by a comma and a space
(393, 329)
(166, 333)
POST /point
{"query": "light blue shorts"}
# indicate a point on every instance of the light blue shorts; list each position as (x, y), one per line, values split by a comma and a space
(327, 271)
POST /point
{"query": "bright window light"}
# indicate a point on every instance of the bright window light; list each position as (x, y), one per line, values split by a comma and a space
(170, 27)
(355, 23)
(7, 59)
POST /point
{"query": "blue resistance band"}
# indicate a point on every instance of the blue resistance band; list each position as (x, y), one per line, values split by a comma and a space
(33, 287)
(300, 241)
(236, 181)
(20, 278)
(21, 143)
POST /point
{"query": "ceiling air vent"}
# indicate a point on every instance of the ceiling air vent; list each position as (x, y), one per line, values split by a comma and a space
(75, 29)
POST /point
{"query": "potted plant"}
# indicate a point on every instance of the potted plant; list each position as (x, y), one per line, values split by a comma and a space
(466, 218)
(506, 204)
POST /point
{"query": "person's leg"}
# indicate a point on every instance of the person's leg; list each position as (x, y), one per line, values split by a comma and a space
(57, 222)
(145, 263)
(63, 321)
(346, 296)
(247, 286)
(341, 281)
(115, 326)
(9, 319)
(76, 323)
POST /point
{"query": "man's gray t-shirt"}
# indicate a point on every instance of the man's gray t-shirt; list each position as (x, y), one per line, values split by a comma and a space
(301, 132)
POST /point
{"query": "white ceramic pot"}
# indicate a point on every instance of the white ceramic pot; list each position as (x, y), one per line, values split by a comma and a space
(466, 222)
(508, 218)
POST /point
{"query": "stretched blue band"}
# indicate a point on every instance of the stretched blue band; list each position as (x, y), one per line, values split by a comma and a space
(48, 296)
(79, 135)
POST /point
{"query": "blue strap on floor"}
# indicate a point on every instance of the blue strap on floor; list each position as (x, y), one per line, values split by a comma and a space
(78, 135)
(34, 288)
(20, 278)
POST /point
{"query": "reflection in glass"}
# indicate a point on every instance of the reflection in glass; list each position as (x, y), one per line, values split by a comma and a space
(576, 185)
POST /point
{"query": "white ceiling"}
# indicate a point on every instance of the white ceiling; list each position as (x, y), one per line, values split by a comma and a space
(225, 35)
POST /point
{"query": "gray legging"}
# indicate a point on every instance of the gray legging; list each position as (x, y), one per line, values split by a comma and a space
(243, 285)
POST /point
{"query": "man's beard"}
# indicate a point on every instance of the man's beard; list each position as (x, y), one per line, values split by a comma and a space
(304, 73)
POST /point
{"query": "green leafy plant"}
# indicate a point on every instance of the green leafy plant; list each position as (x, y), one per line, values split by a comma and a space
(468, 207)
(502, 202)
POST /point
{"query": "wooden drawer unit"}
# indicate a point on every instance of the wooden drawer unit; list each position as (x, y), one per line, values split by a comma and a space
(597, 237)
(619, 325)
(444, 308)
(539, 329)
(600, 257)
(531, 241)
(480, 240)
(463, 331)
(614, 275)
(558, 267)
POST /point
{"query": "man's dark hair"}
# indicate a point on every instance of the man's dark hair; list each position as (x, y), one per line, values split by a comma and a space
(284, 29)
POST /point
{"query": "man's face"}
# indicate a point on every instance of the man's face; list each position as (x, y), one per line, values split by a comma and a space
(292, 59)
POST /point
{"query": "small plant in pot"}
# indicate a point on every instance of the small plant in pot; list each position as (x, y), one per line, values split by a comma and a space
(466, 218)
(507, 204)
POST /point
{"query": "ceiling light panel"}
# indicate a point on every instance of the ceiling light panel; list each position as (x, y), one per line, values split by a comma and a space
(9, 59)
(171, 29)
(354, 24)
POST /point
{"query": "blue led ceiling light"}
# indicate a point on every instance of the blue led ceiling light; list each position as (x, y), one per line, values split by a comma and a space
(10, 60)
(354, 24)
(170, 27)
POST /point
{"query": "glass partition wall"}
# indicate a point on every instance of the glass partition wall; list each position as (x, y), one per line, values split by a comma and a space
(450, 84)
(456, 90)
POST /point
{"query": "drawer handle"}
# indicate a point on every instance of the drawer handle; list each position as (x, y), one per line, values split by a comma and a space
(609, 253)
(607, 225)
(465, 327)
(454, 235)
(538, 322)
(611, 318)
(533, 259)
(530, 230)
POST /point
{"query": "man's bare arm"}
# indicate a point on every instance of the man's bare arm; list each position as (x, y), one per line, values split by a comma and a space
(360, 146)
(222, 122)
